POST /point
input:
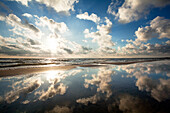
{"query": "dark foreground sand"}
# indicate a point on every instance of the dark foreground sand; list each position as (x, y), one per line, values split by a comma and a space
(30, 70)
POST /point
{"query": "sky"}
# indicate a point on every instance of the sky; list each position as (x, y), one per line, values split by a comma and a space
(85, 28)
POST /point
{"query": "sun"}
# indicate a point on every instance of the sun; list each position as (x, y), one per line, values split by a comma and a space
(52, 45)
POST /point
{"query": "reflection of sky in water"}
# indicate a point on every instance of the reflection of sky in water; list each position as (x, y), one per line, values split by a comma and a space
(135, 88)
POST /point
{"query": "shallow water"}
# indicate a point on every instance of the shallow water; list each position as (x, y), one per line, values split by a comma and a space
(133, 88)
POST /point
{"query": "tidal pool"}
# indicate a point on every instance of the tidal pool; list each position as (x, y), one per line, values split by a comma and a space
(133, 88)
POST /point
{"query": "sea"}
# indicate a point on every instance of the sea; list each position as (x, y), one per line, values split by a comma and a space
(36, 62)
(94, 85)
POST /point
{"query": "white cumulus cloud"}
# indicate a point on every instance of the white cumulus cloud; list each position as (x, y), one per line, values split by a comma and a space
(133, 10)
(93, 17)
(159, 27)
(60, 5)
(27, 15)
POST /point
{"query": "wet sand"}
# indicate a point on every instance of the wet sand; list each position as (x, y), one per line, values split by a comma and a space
(23, 71)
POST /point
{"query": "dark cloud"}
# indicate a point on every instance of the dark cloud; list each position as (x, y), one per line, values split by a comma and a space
(13, 51)
(13, 20)
(33, 42)
(31, 26)
(69, 51)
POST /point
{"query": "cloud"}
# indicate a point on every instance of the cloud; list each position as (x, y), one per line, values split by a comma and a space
(33, 42)
(66, 47)
(101, 80)
(13, 20)
(19, 46)
(144, 82)
(168, 42)
(27, 39)
(159, 27)
(159, 90)
(52, 25)
(60, 109)
(57, 30)
(93, 17)
(92, 99)
(136, 70)
(131, 104)
(1, 99)
(113, 6)
(26, 102)
(23, 2)
(127, 103)
(2, 18)
(53, 90)
(139, 48)
(102, 37)
(63, 6)
(133, 10)
(14, 95)
(27, 15)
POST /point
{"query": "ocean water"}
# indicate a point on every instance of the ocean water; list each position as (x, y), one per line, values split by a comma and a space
(34, 62)
(133, 88)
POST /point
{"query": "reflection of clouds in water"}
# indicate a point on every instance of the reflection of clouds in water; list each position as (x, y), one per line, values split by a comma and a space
(1, 99)
(58, 109)
(92, 99)
(160, 90)
(101, 80)
(51, 76)
(74, 72)
(148, 68)
(130, 104)
(53, 90)
(168, 74)
(29, 83)
(14, 95)
(26, 102)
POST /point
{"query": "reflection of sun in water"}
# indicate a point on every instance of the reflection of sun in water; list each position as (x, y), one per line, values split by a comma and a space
(52, 75)
(52, 44)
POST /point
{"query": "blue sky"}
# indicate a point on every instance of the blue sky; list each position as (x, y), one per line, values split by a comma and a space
(84, 28)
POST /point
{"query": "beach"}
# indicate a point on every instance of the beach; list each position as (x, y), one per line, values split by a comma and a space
(18, 69)
(74, 87)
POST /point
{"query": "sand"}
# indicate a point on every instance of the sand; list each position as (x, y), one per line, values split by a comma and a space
(23, 71)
